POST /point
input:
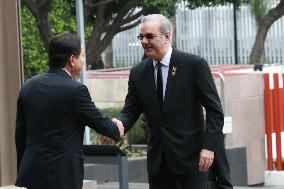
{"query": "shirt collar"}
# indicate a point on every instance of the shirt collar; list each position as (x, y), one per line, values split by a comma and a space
(166, 59)
(66, 71)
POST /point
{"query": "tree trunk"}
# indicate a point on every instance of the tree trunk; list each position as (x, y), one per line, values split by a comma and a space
(40, 10)
(109, 57)
(44, 28)
(258, 49)
(94, 48)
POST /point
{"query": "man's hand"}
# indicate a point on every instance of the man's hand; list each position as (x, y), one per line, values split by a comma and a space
(119, 125)
(206, 158)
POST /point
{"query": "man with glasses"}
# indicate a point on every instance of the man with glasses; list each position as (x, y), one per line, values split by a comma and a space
(170, 87)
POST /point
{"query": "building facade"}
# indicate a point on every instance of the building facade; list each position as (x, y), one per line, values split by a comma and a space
(10, 82)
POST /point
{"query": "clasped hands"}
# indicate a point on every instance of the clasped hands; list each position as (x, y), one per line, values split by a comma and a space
(119, 126)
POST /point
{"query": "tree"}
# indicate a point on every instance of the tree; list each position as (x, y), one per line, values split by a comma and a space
(103, 20)
(259, 9)
(34, 54)
(40, 10)
(106, 18)
(264, 25)
(34, 48)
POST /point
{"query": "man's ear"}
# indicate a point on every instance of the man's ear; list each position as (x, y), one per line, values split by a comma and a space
(168, 35)
(71, 61)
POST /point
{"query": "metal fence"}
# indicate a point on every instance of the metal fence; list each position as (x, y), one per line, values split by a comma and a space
(209, 32)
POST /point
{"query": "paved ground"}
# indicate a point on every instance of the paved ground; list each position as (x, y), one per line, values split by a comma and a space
(114, 185)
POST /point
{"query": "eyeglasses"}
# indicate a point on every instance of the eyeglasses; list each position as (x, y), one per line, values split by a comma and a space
(148, 36)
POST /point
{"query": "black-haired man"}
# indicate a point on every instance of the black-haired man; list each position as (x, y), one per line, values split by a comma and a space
(52, 112)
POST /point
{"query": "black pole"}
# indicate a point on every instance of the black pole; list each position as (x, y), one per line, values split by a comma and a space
(235, 35)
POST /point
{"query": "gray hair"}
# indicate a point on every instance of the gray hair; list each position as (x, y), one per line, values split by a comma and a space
(166, 25)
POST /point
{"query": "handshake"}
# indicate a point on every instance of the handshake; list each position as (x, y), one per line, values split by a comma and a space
(119, 126)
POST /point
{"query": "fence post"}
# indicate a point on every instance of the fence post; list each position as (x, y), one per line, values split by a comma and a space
(276, 104)
(268, 115)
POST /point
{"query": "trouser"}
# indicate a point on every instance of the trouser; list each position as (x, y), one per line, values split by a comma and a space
(166, 179)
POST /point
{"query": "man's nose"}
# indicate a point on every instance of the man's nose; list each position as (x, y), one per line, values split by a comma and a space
(144, 40)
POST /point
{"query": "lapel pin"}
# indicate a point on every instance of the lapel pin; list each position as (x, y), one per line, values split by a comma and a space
(174, 69)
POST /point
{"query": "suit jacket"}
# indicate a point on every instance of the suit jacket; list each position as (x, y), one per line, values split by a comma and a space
(176, 131)
(52, 112)
(219, 173)
(221, 168)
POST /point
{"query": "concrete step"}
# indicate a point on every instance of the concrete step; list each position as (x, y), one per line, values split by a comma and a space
(115, 185)
(89, 184)
(11, 187)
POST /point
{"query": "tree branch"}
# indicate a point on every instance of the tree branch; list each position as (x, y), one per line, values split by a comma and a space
(129, 5)
(96, 44)
(101, 3)
(32, 6)
(264, 25)
(133, 17)
(129, 26)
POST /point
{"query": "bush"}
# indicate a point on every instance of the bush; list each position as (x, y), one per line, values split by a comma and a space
(136, 135)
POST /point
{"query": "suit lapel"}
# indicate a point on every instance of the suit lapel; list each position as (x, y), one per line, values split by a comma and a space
(170, 81)
(150, 83)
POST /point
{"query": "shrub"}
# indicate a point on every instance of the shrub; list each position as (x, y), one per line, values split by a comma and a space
(136, 135)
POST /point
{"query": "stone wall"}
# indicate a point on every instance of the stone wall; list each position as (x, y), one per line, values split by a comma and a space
(245, 103)
(108, 92)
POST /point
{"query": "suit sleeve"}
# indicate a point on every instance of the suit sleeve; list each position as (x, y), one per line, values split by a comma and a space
(21, 130)
(90, 115)
(131, 110)
(211, 102)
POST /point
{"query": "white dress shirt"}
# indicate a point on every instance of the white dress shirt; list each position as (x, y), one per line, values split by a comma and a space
(165, 68)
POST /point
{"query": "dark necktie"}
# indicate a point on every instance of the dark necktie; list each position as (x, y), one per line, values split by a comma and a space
(160, 85)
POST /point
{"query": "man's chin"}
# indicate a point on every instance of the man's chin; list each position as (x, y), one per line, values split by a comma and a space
(148, 53)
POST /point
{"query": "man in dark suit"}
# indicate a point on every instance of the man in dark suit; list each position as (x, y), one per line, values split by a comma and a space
(221, 169)
(219, 173)
(170, 87)
(52, 112)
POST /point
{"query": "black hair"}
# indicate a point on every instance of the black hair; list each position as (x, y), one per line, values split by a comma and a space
(61, 47)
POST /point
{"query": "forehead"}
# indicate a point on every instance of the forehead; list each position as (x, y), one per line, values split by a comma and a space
(150, 27)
